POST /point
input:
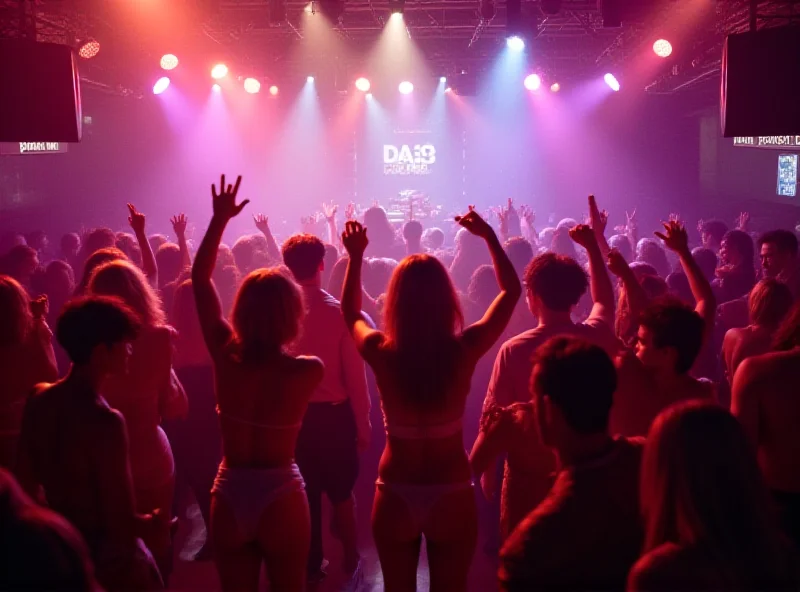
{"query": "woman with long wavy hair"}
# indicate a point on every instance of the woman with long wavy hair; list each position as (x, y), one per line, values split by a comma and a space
(423, 363)
(26, 359)
(708, 515)
(259, 510)
(148, 394)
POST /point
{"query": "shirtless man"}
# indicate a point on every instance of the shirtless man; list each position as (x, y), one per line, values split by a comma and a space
(670, 337)
(765, 402)
(73, 448)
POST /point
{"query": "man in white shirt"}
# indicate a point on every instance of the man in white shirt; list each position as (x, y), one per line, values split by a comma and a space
(554, 286)
(336, 426)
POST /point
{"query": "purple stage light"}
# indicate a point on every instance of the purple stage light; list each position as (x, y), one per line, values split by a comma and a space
(532, 82)
(611, 81)
(161, 85)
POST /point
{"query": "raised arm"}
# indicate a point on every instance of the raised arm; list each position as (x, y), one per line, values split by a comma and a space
(598, 222)
(634, 293)
(262, 223)
(599, 282)
(216, 330)
(367, 339)
(179, 226)
(149, 267)
(329, 211)
(677, 240)
(480, 336)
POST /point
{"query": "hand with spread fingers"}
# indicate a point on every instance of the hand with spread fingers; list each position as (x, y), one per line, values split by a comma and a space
(225, 205)
(675, 239)
(354, 239)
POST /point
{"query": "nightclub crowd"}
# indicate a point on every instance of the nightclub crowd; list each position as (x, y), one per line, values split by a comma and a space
(617, 409)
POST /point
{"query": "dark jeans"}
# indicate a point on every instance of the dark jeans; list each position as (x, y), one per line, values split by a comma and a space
(327, 455)
(196, 441)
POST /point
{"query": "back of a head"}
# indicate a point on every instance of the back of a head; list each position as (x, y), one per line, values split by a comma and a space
(412, 231)
(99, 238)
(579, 378)
(17, 258)
(422, 306)
(716, 229)
(41, 550)
(678, 285)
(650, 251)
(376, 219)
(520, 252)
(654, 286)
(377, 275)
(303, 254)
(769, 302)
(706, 259)
(788, 335)
(562, 244)
(785, 241)
(267, 313)
(95, 260)
(434, 238)
(87, 322)
(622, 243)
(701, 486)
(70, 242)
(558, 281)
(59, 278)
(483, 288)
(170, 263)
(676, 325)
(741, 242)
(546, 237)
(184, 311)
(127, 282)
(156, 240)
(566, 224)
(244, 253)
(15, 313)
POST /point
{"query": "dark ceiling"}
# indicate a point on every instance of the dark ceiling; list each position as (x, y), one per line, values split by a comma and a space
(451, 34)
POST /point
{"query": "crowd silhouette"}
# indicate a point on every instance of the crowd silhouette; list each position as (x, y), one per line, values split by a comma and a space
(615, 412)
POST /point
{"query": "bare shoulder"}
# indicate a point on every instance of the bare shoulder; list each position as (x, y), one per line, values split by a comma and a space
(310, 366)
(109, 423)
(659, 566)
(766, 366)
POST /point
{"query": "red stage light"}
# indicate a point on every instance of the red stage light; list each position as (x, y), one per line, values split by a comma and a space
(89, 49)
(169, 61)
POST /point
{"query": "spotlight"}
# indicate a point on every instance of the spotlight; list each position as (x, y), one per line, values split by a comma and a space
(443, 79)
(161, 85)
(310, 79)
(611, 82)
(252, 85)
(89, 48)
(216, 87)
(219, 71)
(532, 82)
(362, 84)
(273, 90)
(397, 7)
(406, 87)
(169, 61)
(515, 43)
(662, 48)
(309, 9)
(555, 87)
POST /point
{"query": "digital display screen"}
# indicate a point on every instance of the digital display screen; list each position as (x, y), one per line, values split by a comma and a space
(787, 175)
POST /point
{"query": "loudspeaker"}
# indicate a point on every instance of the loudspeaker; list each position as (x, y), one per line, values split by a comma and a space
(39, 92)
(760, 95)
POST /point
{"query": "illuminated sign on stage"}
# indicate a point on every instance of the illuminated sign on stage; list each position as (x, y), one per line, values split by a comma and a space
(32, 147)
(779, 142)
(408, 160)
